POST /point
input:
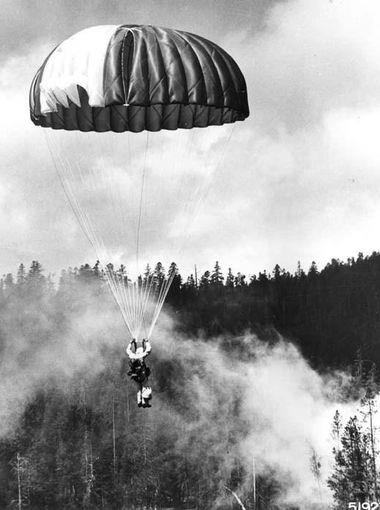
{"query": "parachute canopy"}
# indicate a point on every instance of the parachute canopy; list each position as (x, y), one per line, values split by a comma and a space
(135, 78)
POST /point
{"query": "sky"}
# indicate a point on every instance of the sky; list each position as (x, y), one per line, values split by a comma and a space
(297, 181)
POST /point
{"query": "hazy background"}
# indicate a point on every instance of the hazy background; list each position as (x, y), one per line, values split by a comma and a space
(258, 403)
(299, 180)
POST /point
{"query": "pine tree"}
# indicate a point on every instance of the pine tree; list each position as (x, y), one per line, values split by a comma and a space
(300, 273)
(21, 274)
(36, 281)
(173, 271)
(8, 281)
(147, 275)
(86, 272)
(240, 280)
(352, 478)
(336, 429)
(205, 279)
(230, 280)
(190, 282)
(313, 271)
(159, 274)
(277, 272)
(35, 270)
(21, 469)
(176, 284)
(96, 268)
(122, 274)
(217, 277)
(368, 411)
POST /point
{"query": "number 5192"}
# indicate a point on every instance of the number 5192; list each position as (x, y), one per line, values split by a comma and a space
(364, 506)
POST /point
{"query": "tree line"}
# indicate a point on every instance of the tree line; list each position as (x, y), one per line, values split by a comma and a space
(328, 313)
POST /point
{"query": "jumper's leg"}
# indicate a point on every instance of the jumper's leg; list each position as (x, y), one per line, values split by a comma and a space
(140, 400)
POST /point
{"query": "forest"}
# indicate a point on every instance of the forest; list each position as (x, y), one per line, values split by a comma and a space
(73, 437)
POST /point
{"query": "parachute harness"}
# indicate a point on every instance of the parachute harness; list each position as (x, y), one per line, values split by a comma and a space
(140, 302)
(141, 202)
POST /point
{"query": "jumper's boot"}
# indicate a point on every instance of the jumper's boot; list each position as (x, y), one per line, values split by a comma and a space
(146, 394)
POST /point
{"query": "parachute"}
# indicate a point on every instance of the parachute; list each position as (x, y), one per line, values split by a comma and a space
(130, 79)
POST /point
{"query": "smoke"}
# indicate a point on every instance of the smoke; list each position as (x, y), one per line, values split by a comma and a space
(234, 399)
(282, 425)
(49, 338)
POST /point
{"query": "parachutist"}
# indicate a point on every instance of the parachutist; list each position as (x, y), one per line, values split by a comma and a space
(96, 81)
(139, 371)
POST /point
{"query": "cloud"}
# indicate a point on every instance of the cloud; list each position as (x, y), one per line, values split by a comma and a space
(313, 57)
(58, 20)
